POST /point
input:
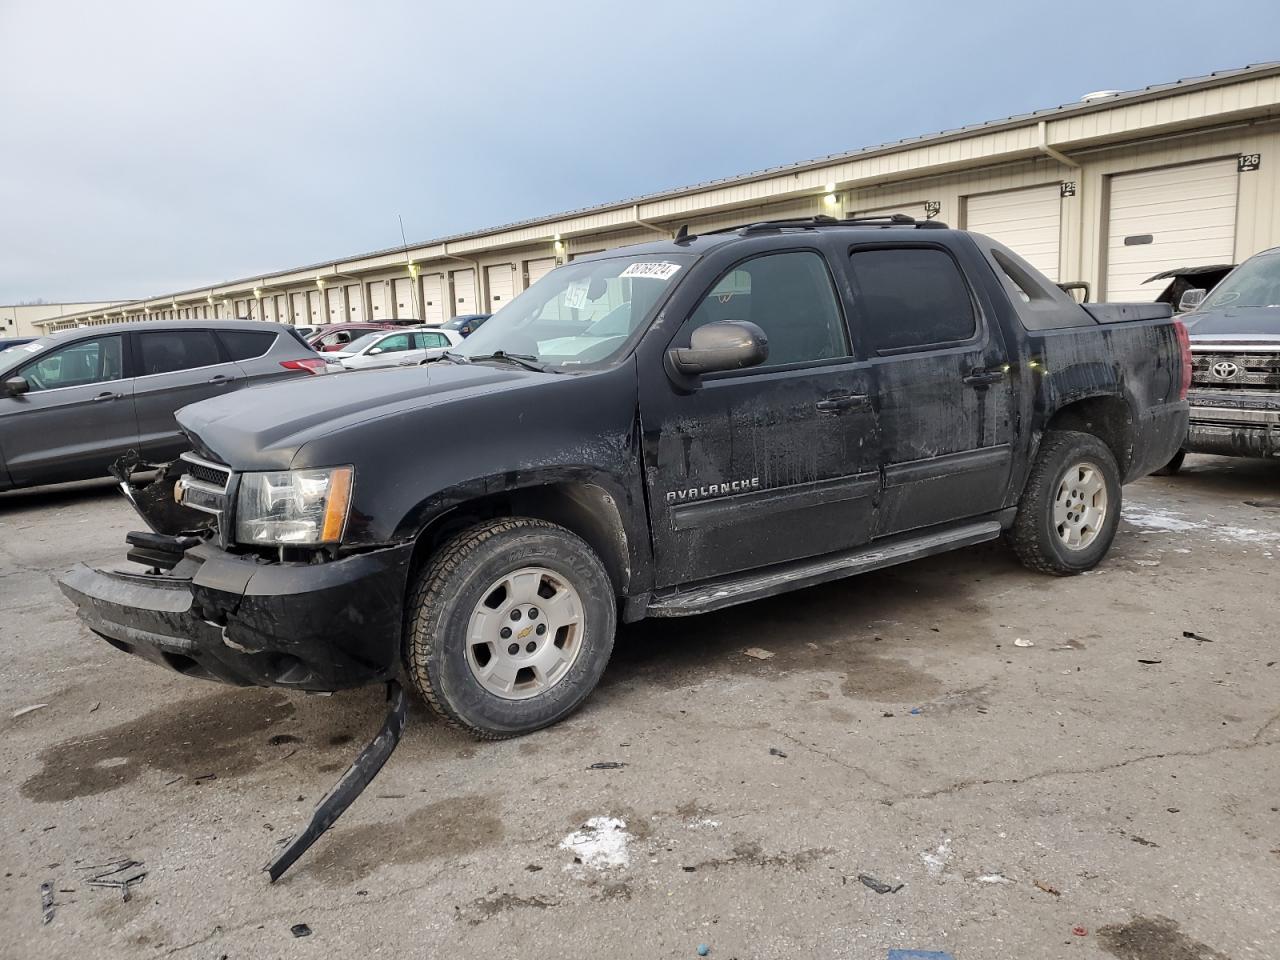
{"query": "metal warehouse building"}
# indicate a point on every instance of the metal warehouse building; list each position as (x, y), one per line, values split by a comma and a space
(1110, 190)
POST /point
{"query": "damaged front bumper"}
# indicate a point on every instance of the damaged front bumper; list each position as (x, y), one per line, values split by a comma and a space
(247, 621)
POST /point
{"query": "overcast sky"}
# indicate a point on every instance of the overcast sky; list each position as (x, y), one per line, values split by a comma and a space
(153, 147)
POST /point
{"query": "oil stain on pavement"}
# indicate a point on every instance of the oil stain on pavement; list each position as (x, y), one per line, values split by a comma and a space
(216, 735)
(1159, 938)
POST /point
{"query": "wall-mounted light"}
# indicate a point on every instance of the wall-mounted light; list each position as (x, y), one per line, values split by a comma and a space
(257, 293)
(830, 187)
(320, 282)
(413, 269)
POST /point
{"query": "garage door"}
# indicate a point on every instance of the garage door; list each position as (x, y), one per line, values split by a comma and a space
(502, 285)
(433, 298)
(1175, 217)
(337, 308)
(402, 288)
(1028, 222)
(315, 308)
(535, 270)
(298, 309)
(464, 292)
(355, 303)
(380, 309)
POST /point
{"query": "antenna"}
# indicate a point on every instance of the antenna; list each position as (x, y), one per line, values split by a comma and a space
(413, 277)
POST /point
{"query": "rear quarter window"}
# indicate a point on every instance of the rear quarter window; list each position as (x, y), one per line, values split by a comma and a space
(246, 344)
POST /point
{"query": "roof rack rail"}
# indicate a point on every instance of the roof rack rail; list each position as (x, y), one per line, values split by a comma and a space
(823, 220)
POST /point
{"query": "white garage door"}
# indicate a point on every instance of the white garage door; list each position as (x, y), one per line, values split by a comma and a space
(381, 310)
(337, 309)
(298, 309)
(502, 285)
(464, 292)
(1028, 222)
(1175, 217)
(535, 270)
(355, 303)
(433, 297)
(402, 288)
(315, 308)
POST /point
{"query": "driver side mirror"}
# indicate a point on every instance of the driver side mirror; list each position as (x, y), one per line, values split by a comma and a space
(373, 352)
(1191, 299)
(16, 386)
(719, 346)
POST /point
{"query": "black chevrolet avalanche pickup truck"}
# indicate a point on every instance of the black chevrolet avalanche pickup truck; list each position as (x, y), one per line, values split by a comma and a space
(654, 431)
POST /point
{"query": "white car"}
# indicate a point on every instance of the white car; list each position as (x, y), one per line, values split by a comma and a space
(394, 348)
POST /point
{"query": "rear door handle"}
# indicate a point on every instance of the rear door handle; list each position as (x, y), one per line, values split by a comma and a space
(221, 378)
(836, 402)
(106, 396)
(979, 377)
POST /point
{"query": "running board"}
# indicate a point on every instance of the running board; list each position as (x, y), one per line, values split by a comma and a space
(805, 573)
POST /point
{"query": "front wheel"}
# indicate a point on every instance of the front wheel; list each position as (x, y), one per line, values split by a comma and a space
(510, 627)
(1070, 507)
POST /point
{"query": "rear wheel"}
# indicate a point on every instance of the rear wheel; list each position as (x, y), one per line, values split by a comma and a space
(510, 627)
(1173, 466)
(1070, 507)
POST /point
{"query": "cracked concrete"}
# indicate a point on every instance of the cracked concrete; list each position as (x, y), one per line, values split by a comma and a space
(1147, 796)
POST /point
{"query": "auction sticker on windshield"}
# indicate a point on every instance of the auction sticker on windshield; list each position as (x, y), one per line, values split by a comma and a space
(575, 296)
(653, 269)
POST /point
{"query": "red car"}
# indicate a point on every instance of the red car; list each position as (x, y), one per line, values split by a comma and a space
(335, 336)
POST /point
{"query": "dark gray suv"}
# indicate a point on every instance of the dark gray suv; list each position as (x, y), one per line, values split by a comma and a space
(73, 401)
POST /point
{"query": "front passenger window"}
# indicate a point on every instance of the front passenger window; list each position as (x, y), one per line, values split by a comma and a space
(789, 296)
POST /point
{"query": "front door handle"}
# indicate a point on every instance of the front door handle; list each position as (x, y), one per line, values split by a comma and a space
(221, 378)
(836, 402)
(978, 377)
(106, 396)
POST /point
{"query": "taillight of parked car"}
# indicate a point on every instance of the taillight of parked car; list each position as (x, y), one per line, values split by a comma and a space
(1184, 344)
(310, 364)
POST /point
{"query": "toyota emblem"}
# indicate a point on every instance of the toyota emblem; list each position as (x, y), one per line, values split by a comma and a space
(1225, 370)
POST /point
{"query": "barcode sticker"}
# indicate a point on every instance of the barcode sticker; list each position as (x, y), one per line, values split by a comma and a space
(652, 269)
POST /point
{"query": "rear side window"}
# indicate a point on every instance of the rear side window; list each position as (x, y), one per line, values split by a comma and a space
(246, 344)
(432, 340)
(167, 351)
(911, 299)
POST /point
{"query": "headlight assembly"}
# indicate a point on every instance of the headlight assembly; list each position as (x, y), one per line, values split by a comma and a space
(293, 507)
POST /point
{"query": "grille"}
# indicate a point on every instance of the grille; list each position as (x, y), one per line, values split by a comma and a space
(1236, 370)
(207, 473)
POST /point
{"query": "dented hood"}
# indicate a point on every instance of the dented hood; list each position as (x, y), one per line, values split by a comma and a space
(264, 427)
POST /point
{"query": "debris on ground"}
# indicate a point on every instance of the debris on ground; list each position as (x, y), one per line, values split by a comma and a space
(1041, 885)
(916, 711)
(703, 949)
(300, 930)
(919, 955)
(936, 861)
(1195, 636)
(878, 886)
(1140, 660)
(46, 902)
(1020, 642)
(23, 711)
(119, 874)
(349, 786)
(607, 765)
(94, 708)
(1080, 931)
(601, 843)
(758, 653)
(775, 752)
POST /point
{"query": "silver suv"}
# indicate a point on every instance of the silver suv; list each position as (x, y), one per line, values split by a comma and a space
(73, 401)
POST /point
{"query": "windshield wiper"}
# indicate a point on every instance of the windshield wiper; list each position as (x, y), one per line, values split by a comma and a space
(525, 360)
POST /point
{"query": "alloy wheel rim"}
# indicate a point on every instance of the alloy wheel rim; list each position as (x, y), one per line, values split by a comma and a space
(1080, 506)
(525, 633)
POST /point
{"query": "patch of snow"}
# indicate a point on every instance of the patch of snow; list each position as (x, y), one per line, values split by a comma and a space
(704, 824)
(601, 843)
(1151, 519)
(993, 878)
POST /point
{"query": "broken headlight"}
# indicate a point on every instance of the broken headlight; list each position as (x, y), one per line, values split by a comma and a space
(293, 507)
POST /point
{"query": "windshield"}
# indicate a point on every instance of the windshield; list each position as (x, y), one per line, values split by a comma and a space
(361, 343)
(579, 315)
(12, 356)
(1255, 283)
